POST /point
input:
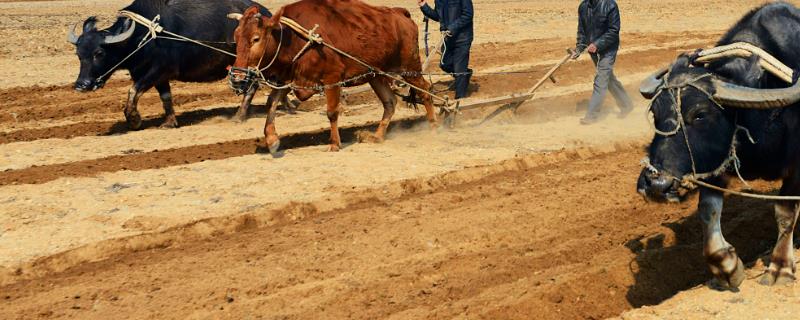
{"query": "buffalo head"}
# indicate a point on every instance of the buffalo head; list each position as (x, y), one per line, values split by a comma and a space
(95, 49)
(694, 112)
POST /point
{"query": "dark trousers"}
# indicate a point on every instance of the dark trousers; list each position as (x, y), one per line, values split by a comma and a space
(605, 81)
(456, 60)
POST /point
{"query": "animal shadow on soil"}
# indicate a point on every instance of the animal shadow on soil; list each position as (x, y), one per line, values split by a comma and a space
(661, 271)
(191, 117)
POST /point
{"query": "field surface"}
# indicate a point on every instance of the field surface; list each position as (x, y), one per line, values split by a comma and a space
(526, 217)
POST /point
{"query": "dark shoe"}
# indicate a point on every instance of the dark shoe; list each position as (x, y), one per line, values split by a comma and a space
(625, 112)
(589, 120)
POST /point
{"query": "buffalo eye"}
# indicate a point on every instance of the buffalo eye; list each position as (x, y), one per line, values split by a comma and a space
(98, 54)
(700, 116)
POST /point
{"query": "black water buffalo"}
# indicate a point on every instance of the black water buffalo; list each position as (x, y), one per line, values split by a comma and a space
(727, 112)
(101, 52)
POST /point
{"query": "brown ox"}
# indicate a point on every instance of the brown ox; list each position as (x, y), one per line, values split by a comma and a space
(385, 38)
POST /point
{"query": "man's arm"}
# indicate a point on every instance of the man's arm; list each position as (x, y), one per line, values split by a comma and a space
(611, 37)
(464, 19)
(580, 43)
(428, 11)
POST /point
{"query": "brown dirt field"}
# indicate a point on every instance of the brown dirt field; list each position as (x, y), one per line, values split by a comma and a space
(527, 217)
(553, 242)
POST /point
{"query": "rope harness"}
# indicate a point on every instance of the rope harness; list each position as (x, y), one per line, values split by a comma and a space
(313, 38)
(694, 178)
(155, 31)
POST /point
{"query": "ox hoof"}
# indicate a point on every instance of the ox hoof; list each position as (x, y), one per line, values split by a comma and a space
(170, 123)
(134, 120)
(240, 117)
(333, 148)
(777, 277)
(368, 137)
(273, 148)
(727, 268)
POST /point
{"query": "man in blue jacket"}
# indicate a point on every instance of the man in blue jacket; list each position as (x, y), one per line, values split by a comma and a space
(455, 22)
(598, 33)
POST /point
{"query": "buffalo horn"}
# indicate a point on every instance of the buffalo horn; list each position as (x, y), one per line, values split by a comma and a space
(729, 94)
(235, 16)
(123, 35)
(71, 36)
(654, 82)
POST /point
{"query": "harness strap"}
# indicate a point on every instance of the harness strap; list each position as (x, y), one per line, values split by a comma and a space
(313, 37)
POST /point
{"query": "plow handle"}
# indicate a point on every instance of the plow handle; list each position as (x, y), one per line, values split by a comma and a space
(549, 74)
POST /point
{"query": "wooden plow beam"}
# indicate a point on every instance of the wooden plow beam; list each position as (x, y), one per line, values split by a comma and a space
(509, 102)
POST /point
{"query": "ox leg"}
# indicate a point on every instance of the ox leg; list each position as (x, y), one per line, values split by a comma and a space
(332, 96)
(166, 100)
(782, 267)
(389, 101)
(427, 100)
(721, 257)
(132, 115)
(288, 104)
(271, 134)
(244, 109)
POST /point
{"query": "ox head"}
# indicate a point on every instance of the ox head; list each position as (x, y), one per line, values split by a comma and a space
(255, 38)
(95, 51)
(694, 108)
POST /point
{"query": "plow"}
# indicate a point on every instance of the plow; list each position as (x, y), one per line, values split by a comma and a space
(507, 103)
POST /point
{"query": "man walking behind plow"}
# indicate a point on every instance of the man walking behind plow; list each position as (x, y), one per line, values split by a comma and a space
(455, 22)
(598, 33)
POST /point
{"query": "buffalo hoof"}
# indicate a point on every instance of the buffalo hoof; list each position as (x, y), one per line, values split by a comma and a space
(368, 137)
(273, 148)
(134, 120)
(774, 276)
(240, 117)
(727, 268)
(169, 123)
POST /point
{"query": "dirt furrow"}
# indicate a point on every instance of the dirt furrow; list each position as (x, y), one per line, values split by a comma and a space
(566, 240)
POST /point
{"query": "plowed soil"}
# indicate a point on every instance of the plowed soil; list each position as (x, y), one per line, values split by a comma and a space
(528, 217)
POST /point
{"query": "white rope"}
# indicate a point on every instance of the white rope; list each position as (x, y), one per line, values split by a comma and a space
(141, 45)
(745, 194)
(154, 28)
(314, 37)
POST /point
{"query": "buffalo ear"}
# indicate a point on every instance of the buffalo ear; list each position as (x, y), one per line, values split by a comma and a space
(235, 16)
(90, 24)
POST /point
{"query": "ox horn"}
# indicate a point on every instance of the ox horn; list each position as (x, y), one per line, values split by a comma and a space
(71, 36)
(650, 86)
(729, 94)
(123, 35)
(235, 16)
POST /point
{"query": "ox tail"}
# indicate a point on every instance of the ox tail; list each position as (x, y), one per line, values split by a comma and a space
(413, 99)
